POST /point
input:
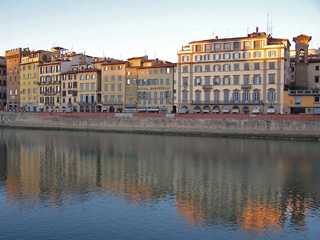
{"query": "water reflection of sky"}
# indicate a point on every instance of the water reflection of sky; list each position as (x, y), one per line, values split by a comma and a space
(242, 187)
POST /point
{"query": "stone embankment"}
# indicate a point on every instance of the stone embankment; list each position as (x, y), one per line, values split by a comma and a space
(257, 126)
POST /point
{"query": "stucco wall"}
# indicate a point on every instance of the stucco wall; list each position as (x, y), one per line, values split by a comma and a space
(286, 124)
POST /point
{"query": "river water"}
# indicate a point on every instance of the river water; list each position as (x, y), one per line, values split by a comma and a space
(87, 185)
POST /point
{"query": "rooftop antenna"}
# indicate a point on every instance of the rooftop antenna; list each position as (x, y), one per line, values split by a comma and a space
(247, 30)
(227, 33)
(155, 54)
(213, 33)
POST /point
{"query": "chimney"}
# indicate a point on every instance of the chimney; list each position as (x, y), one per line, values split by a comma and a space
(216, 37)
(257, 29)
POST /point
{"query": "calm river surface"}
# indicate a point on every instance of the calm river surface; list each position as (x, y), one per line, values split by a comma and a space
(86, 185)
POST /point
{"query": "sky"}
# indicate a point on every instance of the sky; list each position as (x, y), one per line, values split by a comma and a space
(131, 28)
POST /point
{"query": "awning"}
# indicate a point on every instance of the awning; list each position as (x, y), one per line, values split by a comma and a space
(206, 111)
(271, 110)
(130, 110)
(255, 110)
(225, 110)
(216, 110)
(153, 109)
(104, 109)
(142, 109)
(235, 110)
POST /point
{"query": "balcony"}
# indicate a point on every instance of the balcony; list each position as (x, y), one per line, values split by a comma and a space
(206, 87)
(246, 86)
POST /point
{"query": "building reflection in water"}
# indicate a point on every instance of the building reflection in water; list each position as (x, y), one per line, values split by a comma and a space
(257, 186)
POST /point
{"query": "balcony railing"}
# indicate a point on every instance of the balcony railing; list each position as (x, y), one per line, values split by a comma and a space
(206, 87)
(304, 92)
(246, 86)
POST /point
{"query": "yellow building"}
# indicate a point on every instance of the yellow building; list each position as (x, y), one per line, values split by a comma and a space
(131, 102)
(302, 102)
(29, 73)
(89, 86)
(113, 82)
(156, 86)
(234, 75)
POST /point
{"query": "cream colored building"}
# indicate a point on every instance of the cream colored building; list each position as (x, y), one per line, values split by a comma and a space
(234, 75)
(156, 86)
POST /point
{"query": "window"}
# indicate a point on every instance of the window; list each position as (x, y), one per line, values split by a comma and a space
(272, 53)
(198, 97)
(246, 45)
(161, 81)
(226, 97)
(246, 97)
(206, 57)
(271, 95)
(198, 58)
(256, 44)
(257, 54)
(236, 96)
(198, 48)
(112, 78)
(216, 57)
(216, 96)
(256, 80)
(226, 46)
(317, 68)
(297, 100)
(226, 81)
(256, 96)
(316, 79)
(207, 97)
(226, 56)
(236, 55)
(236, 46)
(185, 69)
(93, 86)
(207, 81)
(185, 96)
(246, 66)
(197, 81)
(112, 87)
(226, 67)
(236, 67)
(119, 77)
(217, 46)
(208, 47)
(185, 58)
(167, 81)
(128, 90)
(216, 81)
(134, 90)
(246, 55)
(216, 68)
(256, 66)
(87, 86)
(316, 99)
(119, 87)
(207, 68)
(185, 81)
(271, 78)
(235, 80)
(105, 87)
(271, 65)
(198, 68)
(168, 70)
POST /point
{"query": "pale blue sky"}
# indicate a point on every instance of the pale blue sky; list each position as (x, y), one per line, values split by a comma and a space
(124, 29)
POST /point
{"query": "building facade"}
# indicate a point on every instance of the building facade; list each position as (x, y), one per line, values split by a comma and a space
(155, 85)
(3, 84)
(13, 58)
(234, 75)
(302, 101)
(113, 82)
(29, 79)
